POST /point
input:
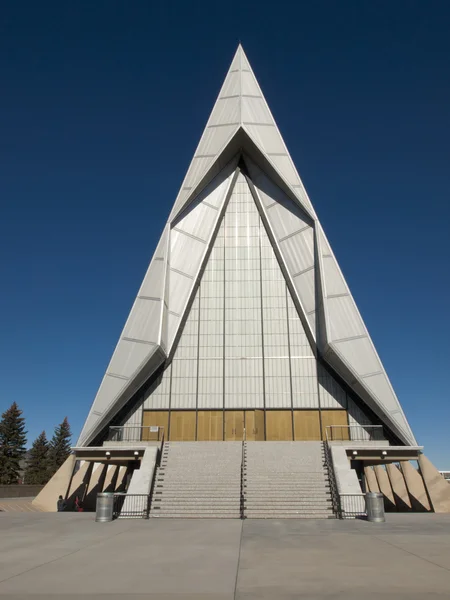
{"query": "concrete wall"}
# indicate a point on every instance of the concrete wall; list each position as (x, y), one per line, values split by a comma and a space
(385, 488)
(398, 486)
(352, 498)
(371, 480)
(437, 487)
(416, 487)
(142, 478)
(58, 485)
(20, 491)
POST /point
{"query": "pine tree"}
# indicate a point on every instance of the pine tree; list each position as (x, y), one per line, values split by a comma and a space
(60, 445)
(38, 468)
(12, 444)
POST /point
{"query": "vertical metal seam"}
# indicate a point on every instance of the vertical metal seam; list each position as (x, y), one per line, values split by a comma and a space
(289, 361)
(224, 307)
(198, 360)
(170, 400)
(262, 329)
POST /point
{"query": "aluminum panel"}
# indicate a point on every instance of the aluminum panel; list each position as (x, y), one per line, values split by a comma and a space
(298, 251)
(199, 222)
(231, 85)
(226, 111)
(210, 401)
(286, 220)
(306, 290)
(344, 319)
(284, 166)
(110, 388)
(267, 139)
(357, 417)
(331, 393)
(214, 139)
(144, 319)
(334, 282)
(185, 400)
(153, 284)
(134, 418)
(199, 166)
(359, 354)
(249, 85)
(254, 110)
(128, 357)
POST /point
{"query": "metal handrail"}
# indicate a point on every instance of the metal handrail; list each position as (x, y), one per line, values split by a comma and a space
(242, 499)
(355, 433)
(335, 497)
(135, 433)
(131, 506)
(352, 505)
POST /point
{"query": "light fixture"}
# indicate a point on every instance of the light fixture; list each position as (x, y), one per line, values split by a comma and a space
(136, 453)
(355, 452)
(108, 454)
(384, 453)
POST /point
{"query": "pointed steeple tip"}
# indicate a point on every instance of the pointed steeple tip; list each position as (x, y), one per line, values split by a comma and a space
(240, 60)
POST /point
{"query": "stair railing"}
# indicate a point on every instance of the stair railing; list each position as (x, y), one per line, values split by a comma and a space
(242, 498)
(335, 497)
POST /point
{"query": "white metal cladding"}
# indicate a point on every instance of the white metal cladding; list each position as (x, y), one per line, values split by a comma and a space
(241, 285)
(190, 237)
(240, 104)
(331, 393)
(357, 417)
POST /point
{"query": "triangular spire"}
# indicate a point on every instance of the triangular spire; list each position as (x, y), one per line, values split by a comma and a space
(240, 105)
(241, 130)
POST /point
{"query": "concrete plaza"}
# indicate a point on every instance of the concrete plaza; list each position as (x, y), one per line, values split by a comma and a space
(70, 556)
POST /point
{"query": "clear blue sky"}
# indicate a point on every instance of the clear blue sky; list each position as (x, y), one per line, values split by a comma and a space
(101, 106)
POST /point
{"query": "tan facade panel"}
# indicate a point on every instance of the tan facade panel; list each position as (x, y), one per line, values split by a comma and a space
(278, 425)
(234, 425)
(210, 425)
(155, 418)
(254, 425)
(182, 426)
(306, 425)
(337, 422)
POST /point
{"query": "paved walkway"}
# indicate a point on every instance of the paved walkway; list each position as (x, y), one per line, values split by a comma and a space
(69, 556)
(17, 505)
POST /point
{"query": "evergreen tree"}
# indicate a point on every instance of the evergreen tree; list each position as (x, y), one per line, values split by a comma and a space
(37, 471)
(60, 445)
(12, 444)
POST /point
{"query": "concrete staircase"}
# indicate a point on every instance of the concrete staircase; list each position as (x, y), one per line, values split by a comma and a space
(198, 480)
(286, 480)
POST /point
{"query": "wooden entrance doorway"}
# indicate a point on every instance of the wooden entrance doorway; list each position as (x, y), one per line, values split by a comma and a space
(234, 425)
(254, 425)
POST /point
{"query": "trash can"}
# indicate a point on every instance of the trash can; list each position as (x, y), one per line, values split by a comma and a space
(375, 507)
(105, 505)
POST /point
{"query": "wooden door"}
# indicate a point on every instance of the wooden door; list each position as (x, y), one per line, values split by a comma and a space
(306, 425)
(234, 425)
(182, 426)
(335, 417)
(155, 418)
(254, 425)
(278, 425)
(210, 425)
